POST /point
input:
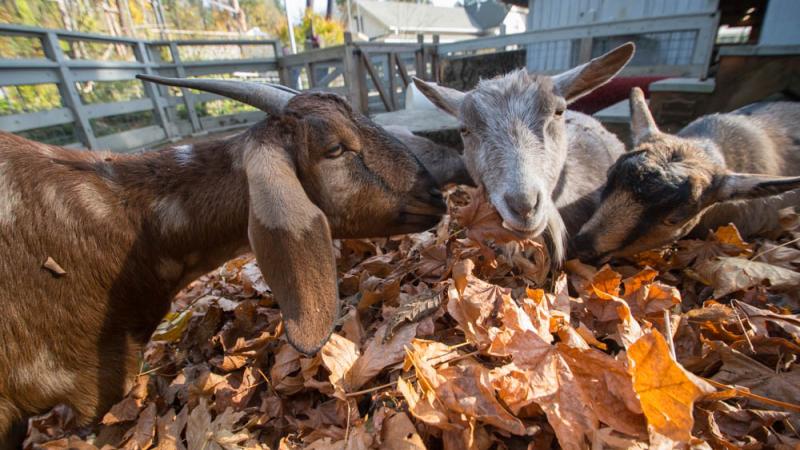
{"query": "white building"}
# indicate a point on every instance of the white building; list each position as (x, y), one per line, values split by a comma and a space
(389, 21)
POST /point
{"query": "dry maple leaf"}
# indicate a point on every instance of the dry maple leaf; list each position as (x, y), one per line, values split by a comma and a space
(202, 433)
(667, 394)
(398, 433)
(741, 370)
(728, 274)
(482, 221)
(465, 389)
(413, 309)
(128, 409)
(142, 434)
(338, 355)
(760, 319)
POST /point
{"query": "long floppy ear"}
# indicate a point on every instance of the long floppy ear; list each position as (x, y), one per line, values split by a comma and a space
(292, 242)
(642, 123)
(745, 185)
(447, 99)
(579, 81)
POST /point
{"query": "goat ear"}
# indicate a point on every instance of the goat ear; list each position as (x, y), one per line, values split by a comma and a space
(579, 81)
(745, 185)
(447, 99)
(642, 123)
(292, 242)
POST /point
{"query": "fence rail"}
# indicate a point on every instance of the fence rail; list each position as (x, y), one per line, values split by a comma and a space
(373, 76)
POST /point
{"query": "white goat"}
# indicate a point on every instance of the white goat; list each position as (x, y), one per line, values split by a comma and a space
(541, 165)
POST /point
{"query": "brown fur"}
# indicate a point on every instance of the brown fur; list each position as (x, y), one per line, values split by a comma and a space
(719, 169)
(131, 230)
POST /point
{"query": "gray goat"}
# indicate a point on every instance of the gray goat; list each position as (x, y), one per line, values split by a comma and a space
(541, 165)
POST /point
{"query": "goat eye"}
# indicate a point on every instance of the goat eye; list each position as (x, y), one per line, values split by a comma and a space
(335, 151)
(559, 112)
(670, 222)
(464, 131)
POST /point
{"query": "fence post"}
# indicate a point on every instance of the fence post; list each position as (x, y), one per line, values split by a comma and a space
(69, 93)
(143, 55)
(419, 57)
(584, 51)
(391, 75)
(435, 59)
(188, 97)
(354, 76)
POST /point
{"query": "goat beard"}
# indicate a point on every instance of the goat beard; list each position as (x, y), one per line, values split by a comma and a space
(555, 236)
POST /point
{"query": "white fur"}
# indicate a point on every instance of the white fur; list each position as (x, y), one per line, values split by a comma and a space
(45, 373)
(93, 201)
(57, 200)
(171, 214)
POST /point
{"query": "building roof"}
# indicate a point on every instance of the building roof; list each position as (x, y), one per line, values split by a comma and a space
(413, 17)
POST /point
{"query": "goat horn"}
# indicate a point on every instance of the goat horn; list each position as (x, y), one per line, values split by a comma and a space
(266, 97)
(283, 88)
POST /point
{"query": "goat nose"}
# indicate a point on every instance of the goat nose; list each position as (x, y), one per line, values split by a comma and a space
(435, 192)
(521, 205)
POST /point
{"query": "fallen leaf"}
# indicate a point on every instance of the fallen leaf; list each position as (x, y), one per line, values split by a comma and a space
(51, 265)
(398, 433)
(217, 434)
(727, 275)
(413, 309)
(667, 394)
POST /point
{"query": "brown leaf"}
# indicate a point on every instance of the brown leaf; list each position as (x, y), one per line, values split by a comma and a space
(413, 309)
(379, 355)
(424, 406)
(287, 362)
(142, 434)
(482, 221)
(667, 394)
(221, 433)
(398, 433)
(727, 275)
(169, 428)
(738, 369)
(475, 308)
(466, 390)
(339, 355)
(128, 409)
(761, 318)
(50, 426)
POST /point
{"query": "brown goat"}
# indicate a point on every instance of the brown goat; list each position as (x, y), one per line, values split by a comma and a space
(132, 230)
(719, 169)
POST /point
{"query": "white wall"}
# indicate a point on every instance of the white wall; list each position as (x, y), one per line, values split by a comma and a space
(781, 23)
(547, 14)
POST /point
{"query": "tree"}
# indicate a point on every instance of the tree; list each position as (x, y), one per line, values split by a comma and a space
(330, 32)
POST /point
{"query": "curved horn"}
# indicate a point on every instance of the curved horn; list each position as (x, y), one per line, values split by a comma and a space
(268, 98)
(283, 88)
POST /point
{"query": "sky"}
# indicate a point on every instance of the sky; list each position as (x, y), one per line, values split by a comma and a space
(296, 7)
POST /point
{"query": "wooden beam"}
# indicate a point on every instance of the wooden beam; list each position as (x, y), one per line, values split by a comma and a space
(376, 80)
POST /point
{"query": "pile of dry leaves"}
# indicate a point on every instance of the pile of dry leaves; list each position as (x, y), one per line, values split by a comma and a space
(461, 338)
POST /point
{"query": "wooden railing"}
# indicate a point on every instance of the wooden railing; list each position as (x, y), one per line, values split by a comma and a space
(372, 76)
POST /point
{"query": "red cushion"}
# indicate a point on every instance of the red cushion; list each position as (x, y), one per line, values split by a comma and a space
(616, 90)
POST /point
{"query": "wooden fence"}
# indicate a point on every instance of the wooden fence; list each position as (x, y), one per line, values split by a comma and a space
(373, 76)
